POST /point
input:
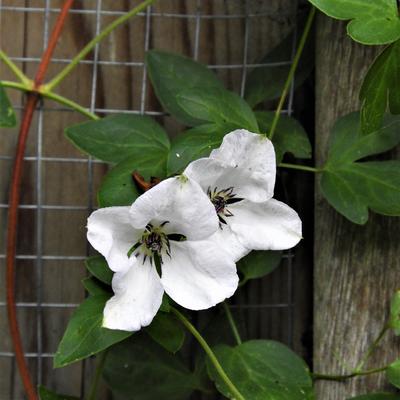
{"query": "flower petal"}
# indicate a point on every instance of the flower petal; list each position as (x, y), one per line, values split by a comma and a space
(112, 235)
(180, 201)
(213, 174)
(199, 274)
(138, 296)
(253, 153)
(225, 239)
(271, 225)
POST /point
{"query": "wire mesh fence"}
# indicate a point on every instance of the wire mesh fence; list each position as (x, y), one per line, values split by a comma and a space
(59, 184)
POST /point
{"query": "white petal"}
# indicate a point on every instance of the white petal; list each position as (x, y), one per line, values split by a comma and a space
(180, 201)
(138, 296)
(112, 235)
(213, 174)
(199, 274)
(271, 225)
(225, 239)
(253, 153)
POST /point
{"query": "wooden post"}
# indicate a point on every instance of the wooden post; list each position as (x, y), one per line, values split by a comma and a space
(357, 268)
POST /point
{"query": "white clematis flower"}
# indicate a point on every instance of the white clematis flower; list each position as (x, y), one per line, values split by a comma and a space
(166, 228)
(239, 178)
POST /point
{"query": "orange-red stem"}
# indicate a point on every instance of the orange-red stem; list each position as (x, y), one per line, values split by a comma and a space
(14, 198)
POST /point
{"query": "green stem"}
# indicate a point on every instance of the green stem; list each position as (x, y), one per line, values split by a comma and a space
(232, 323)
(53, 96)
(292, 71)
(232, 388)
(327, 377)
(97, 375)
(89, 47)
(17, 72)
(69, 103)
(300, 167)
(15, 85)
(372, 348)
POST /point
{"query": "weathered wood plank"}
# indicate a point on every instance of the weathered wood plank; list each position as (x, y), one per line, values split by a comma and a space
(357, 268)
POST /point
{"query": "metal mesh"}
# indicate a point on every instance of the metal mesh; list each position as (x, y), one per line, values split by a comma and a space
(38, 206)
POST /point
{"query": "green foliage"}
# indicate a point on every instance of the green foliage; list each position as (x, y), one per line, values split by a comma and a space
(263, 370)
(373, 21)
(218, 105)
(98, 267)
(118, 187)
(194, 144)
(46, 394)
(380, 87)
(84, 335)
(258, 264)
(7, 114)
(352, 187)
(117, 137)
(94, 287)
(394, 320)
(289, 137)
(140, 369)
(167, 332)
(377, 396)
(171, 74)
(266, 83)
(393, 373)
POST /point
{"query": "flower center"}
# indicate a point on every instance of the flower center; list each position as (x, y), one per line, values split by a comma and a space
(153, 243)
(221, 200)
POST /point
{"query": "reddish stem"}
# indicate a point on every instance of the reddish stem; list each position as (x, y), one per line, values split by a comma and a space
(14, 199)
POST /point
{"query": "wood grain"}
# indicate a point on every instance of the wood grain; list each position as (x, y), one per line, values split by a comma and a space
(357, 268)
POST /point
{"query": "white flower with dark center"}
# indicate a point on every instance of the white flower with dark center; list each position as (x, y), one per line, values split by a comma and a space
(239, 179)
(161, 243)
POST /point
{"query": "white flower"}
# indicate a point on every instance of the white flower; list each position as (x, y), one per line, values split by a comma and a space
(168, 228)
(239, 178)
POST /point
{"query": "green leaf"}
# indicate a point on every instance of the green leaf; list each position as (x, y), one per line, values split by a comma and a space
(258, 264)
(377, 396)
(354, 187)
(141, 369)
(289, 137)
(219, 106)
(393, 373)
(172, 73)
(167, 332)
(95, 287)
(98, 267)
(7, 114)
(117, 137)
(84, 335)
(394, 320)
(263, 370)
(194, 144)
(373, 21)
(380, 88)
(266, 83)
(46, 394)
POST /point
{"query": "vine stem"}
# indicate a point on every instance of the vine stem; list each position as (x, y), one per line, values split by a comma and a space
(232, 388)
(14, 198)
(13, 67)
(372, 348)
(292, 71)
(232, 323)
(69, 103)
(338, 378)
(89, 47)
(300, 167)
(97, 376)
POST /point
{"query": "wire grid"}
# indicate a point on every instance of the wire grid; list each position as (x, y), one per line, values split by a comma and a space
(39, 207)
